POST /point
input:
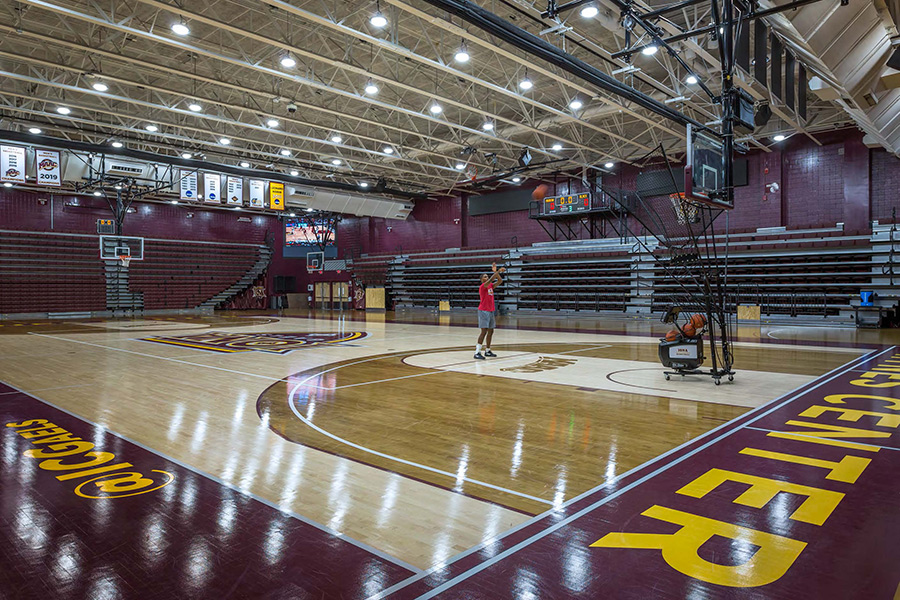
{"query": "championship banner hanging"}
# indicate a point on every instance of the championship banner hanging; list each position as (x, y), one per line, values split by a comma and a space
(12, 164)
(276, 195)
(235, 190)
(48, 171)
(211, 184)
(189, 185)
(257, 193)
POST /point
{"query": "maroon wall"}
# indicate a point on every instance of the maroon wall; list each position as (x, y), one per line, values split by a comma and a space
(30, 211)
(819, 185)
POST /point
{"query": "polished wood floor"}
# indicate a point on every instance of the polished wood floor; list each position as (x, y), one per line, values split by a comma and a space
(420, 460)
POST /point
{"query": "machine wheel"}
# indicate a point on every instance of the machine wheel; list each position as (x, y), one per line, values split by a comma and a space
(731, 378)
(718, 381)
(666, 375)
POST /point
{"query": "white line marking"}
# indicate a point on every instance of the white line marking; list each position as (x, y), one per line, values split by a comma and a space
(594, 490)
(292, 404)
(375, 551)
(184, 362)
(59, 387)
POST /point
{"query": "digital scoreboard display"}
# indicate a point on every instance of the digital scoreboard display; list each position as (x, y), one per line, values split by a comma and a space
(575, 203)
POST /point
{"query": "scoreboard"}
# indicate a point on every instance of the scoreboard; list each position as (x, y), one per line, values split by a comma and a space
(560, 205)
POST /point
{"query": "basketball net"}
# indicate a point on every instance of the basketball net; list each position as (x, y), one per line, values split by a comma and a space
(685, 210)
(125, 260)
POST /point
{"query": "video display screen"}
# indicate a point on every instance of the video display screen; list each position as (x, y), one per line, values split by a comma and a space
(307, 232)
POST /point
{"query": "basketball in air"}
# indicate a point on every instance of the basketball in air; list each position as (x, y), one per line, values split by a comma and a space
(698, 321)
(671, 336)
(689, 330)
(541, 192)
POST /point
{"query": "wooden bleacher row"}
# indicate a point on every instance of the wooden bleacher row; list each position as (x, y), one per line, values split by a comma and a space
(427, 281)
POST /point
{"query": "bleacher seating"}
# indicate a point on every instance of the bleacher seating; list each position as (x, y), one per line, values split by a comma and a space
(52, 272)
(42, 272)
(576, 282)
(814, 272)
(426, 278)
(179, 274)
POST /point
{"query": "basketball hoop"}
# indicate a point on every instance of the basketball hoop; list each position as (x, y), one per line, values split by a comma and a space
(685, 210)
(125, 259)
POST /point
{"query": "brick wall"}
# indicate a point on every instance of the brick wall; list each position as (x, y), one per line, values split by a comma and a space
(885, 177)
(813, 184)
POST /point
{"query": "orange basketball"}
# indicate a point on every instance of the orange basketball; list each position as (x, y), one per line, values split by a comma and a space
(541, 192)
(689, 330)
(698, 321)
(671, 336)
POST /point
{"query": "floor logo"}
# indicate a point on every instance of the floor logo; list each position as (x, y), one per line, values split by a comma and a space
(275, 343)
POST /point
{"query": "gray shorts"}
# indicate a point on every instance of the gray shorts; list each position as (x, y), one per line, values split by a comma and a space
(486, 319)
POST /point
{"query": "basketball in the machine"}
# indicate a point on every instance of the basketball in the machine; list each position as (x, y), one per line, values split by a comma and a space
(689, 330)
(698, 321)
(541, 192)
(671, 336)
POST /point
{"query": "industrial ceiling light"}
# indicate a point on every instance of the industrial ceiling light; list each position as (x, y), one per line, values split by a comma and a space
(63, 110)
(435, 109)
(557, 146)
(288, 62)
(292, 215)
(285, 152)
(576, 104)
(336, 162)
(118, 186)
(272, 123)
(294, 173)
(100, 86)
(237, 208)
(337, 139)
(34, 130)
(224, 141)
(378, 19)
(388, 150)
(98, 193)
(516, 179)
(180, 28)
(526, 84)
(462, 55)
(151, 128)
(193, 106)
(780, 137)
(245, 164)
(186, 155)
(7, 184)
(650, 50)
(609, 165)
(487, 126)
(309, 210)
(363, 184)
(371, 88)
(173, 201)
(117, 144)
(691, 80)
(460, 166)
(590, 11)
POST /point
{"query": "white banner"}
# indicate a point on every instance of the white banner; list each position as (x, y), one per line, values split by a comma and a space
(235, 190)
(12, 164)
(48, 171)
(188, 185)
(257, 193)
(211, 184)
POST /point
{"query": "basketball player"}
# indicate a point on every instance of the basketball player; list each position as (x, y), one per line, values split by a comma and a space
(486, 311)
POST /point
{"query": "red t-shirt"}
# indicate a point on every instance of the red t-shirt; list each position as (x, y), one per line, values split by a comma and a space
(486, 293)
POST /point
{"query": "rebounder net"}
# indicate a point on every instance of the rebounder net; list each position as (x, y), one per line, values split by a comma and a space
(690, 259)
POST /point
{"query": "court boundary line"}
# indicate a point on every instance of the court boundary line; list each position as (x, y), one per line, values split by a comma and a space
(306, 520)
(537, 518)
(556, 526)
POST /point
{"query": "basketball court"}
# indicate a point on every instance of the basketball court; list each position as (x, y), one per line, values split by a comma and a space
(253, 254)
(374, 458)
